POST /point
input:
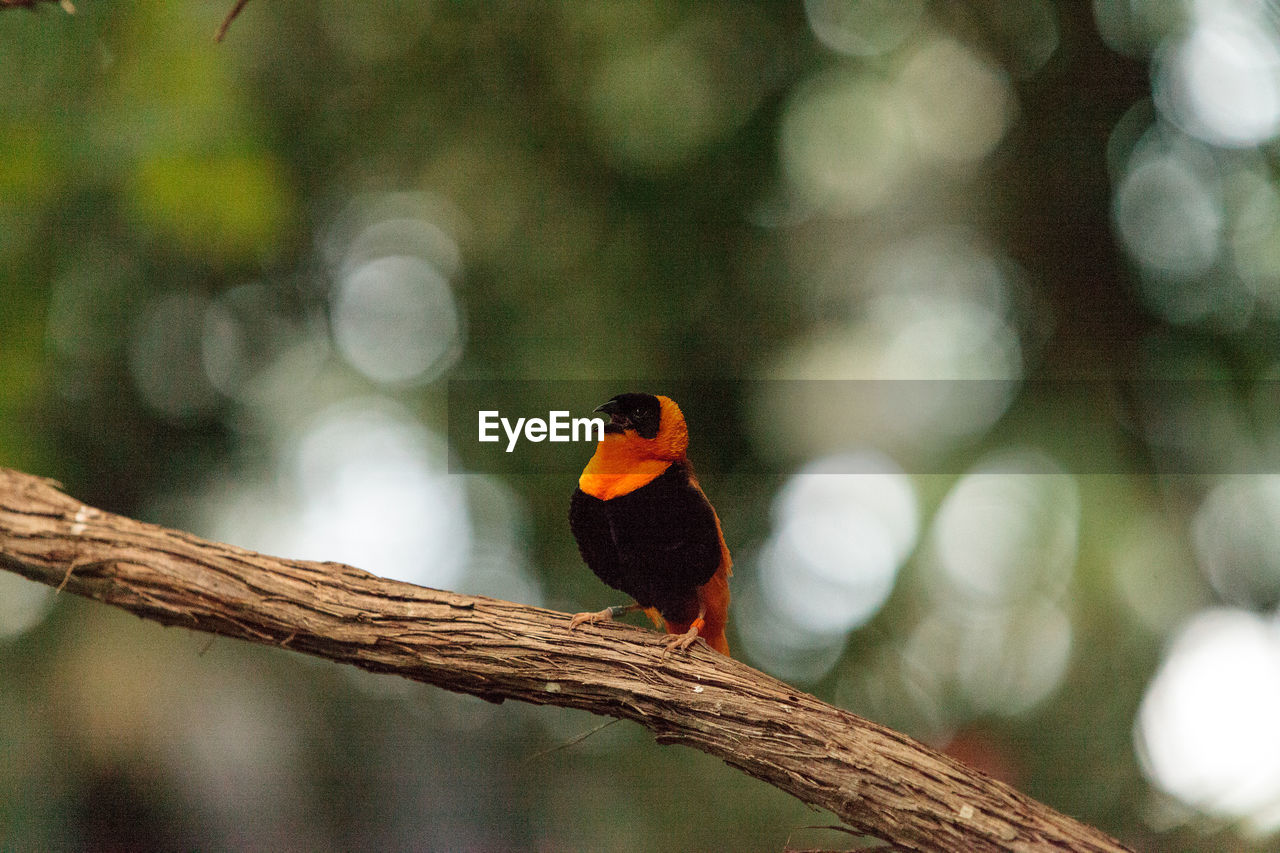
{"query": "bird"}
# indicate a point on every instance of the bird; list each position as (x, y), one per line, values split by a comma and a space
(645, 527)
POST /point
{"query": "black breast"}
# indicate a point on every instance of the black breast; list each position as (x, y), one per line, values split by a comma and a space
(657, 544)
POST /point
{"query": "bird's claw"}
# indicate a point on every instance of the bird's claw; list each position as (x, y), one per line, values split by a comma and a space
(591, 617)
(680, 642)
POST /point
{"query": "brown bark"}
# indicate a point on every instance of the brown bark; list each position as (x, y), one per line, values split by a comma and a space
(877, 781)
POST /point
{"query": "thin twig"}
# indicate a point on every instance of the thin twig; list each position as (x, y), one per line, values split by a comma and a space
(226, 22)
(66, 5)
(573, 741)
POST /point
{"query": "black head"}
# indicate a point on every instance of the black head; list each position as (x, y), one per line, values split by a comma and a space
(641, 412)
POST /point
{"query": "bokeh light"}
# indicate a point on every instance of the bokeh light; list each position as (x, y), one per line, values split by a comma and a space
(941, 307)
(863, 27)
(1194, 198)
(1136, 27)
(1206, 731)
(258, 336)
(957, 104)
(838, 541)
(499, 563)
(395, 320)
(394, 314)
(1009, 661)
(1168, 208)
(1000, 660)
(1222, 82)
(1255, 239)
(844, 141)
(1008, 530)
(1236, 531)
(23, 605)
(934, 357)
(391, 224)
(1000, 555)
(366, 484)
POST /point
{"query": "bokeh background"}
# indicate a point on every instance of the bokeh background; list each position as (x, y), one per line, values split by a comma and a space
(982, 299)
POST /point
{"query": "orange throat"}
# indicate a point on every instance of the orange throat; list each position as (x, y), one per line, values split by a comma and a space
(621, 464)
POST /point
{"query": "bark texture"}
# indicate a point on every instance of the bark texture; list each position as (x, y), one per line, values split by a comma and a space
(877, 781)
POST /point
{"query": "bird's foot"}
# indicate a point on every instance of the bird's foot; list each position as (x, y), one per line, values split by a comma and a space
(606, 615)
(591, 618)
(682, 642)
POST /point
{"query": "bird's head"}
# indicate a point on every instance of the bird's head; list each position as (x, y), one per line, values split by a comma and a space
(649, 426)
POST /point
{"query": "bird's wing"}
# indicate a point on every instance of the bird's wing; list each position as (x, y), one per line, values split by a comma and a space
(591, 527)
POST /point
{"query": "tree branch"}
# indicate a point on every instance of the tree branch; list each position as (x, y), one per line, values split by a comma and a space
(877, 781)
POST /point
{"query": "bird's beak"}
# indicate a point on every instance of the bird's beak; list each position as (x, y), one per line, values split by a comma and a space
(617, 421)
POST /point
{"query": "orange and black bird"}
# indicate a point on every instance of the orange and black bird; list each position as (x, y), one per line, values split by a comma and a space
(645, 527)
